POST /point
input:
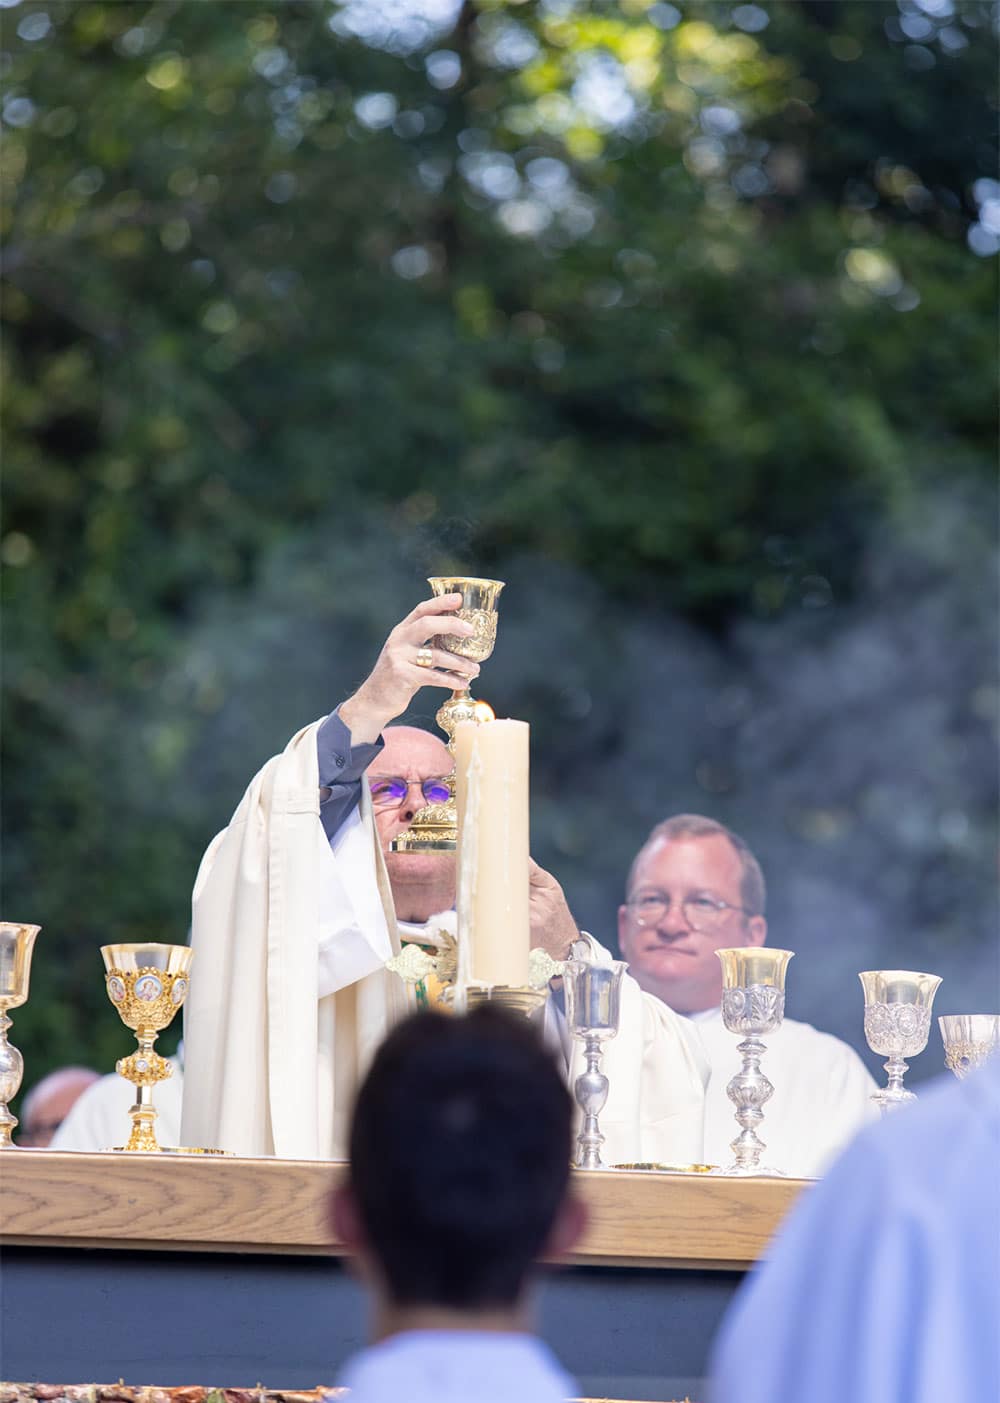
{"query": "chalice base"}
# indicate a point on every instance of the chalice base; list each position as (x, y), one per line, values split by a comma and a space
(143, 1139)
(749, 1171)
(892, 1099)
(174, 1150)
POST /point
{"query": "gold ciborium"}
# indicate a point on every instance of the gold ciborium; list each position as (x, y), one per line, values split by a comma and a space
(16, 944)
(435, 827)
(147, 985)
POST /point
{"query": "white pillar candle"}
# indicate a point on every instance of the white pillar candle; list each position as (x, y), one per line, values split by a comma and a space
(494, 926)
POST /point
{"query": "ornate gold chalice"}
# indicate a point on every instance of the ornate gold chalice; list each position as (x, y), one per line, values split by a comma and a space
(435, 827)
(897, 1022)
(147, 985)
(970, 1039)
(16, 944)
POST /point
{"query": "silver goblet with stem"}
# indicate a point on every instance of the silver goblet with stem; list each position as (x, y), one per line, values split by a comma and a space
(897, 1022)
(753, 1005)
(593, 1002)
(970, 1039)
(16, 944)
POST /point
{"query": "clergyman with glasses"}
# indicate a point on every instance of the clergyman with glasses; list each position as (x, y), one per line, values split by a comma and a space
(299, 903)
(694, 888)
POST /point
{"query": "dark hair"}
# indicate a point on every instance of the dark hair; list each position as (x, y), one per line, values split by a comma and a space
(460, 1148)
(753, 891)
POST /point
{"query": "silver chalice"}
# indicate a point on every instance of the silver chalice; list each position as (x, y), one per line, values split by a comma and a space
(593, 1002)
(753, 1005)
(897, 1022)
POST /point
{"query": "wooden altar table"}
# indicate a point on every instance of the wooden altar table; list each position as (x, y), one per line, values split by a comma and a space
(173, 1269)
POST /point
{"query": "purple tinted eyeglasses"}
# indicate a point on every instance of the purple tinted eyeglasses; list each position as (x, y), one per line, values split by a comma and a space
(389, 791)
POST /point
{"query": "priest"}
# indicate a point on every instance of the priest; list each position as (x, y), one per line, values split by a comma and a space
(299, 903)
(694, 888)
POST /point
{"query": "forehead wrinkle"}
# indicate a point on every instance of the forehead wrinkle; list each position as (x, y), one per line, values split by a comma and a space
(716, 854)
(408, 751)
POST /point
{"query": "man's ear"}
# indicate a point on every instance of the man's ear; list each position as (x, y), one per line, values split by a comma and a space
(568, 1228)
(346, 1219)
(756, 930)
(623, 925)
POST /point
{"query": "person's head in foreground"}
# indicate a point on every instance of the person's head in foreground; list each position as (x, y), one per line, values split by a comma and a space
(694, 888)
(48, 1104)
(459, 1168)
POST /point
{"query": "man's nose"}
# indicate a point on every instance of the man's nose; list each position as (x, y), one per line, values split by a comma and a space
(673, 919)
(413, 802)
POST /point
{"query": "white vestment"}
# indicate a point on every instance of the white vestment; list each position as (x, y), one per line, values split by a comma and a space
(289, 995)
(290, 998)
(820, 1101)
(99, 1119)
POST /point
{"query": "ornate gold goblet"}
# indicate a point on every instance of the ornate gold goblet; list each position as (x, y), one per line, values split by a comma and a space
(147, 985)
(435, 827)
(479, 608)
(16, 945)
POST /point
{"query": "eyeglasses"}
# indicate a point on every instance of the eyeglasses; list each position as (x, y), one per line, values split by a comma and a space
(702, 913)
(389, 791)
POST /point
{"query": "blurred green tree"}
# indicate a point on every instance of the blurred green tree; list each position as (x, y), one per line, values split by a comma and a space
(693, 298)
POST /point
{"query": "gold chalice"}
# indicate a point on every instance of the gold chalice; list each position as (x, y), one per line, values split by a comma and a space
(435, 827)
(16, 944)
(147, 985)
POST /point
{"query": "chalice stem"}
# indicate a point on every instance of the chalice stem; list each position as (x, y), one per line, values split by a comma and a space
(897, 1069)
(895, 1094)
(591, 1090)
(748, 1091)
(143, 1114)
(11, 1072)
(144, 1069)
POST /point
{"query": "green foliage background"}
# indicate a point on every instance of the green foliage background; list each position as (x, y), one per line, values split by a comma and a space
(682, 317)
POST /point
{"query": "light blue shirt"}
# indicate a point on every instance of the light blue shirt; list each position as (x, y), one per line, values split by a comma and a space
(457, 1366)
(884, 1282)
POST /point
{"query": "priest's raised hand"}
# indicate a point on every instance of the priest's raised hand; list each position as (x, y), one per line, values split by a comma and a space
(406, 663)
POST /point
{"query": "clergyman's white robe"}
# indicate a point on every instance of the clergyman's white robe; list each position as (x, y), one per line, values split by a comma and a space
(289, 996)
(820, 1101)
(276, 1038)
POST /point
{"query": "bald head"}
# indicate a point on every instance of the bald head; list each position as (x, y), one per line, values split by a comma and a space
(48, 1104)
(422, 883)
(409, 745)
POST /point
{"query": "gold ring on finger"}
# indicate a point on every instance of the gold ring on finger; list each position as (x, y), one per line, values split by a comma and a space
(424, 658)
